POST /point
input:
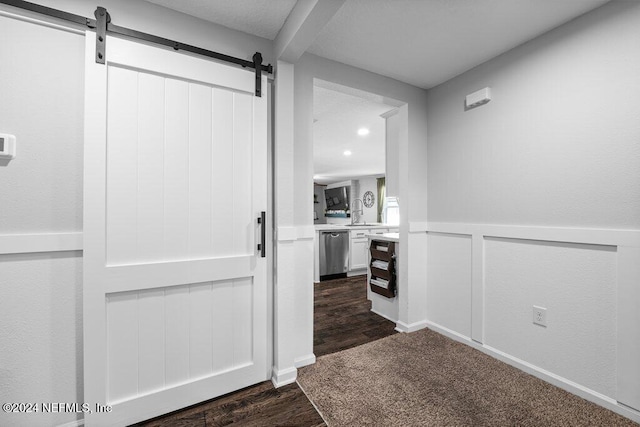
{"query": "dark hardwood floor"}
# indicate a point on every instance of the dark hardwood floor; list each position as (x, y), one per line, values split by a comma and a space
(342, 319)
(258, 405)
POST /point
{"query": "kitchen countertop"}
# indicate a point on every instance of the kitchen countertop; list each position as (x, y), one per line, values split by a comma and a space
(388, 237)
(329, 227)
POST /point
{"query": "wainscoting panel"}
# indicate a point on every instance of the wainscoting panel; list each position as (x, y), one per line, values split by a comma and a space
(576, 283)
(449, 279)
(587, 279)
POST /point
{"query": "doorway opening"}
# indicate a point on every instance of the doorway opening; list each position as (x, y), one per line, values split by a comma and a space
(350, 172)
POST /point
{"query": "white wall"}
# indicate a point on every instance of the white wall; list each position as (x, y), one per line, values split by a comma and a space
(363, 185)
(42, 187)
(40, 311)
(558, 143)
(543, 186)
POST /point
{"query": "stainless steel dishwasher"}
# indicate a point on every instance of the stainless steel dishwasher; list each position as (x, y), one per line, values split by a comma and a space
(334, 254)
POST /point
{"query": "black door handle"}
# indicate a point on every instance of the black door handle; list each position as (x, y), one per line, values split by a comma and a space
(261, 246)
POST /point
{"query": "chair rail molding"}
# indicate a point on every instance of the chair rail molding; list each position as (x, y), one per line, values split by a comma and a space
(293, 233)
(42, 242)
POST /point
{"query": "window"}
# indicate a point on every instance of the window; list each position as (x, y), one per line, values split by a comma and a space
(391, 211)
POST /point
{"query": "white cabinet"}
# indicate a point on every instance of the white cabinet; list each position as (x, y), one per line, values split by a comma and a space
(379, 231)
(359, 254)
(358, 247)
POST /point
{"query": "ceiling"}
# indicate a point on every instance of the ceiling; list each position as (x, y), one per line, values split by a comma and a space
(420, 42)
(262, 18)
(337, 118)
(426, 43)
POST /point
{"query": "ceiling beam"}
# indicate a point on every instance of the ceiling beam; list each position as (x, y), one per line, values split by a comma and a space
(304, 23)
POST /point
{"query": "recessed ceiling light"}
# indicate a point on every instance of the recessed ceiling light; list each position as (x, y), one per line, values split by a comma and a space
(363, 131)
(347, 153)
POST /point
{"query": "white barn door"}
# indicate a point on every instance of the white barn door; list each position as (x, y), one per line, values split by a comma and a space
(175, 298)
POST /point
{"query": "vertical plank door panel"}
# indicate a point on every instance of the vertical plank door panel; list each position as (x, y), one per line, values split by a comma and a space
(242, 174)
(199, 171)
(222, 172)
(176, 170)
(150, 168)
(200, 345)
(151, 347)
(122, 338)
(222, 325)
(242, 321)
(122, 166)
(176, 327)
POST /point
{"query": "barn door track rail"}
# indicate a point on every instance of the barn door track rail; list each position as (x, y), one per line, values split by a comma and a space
(103, 26)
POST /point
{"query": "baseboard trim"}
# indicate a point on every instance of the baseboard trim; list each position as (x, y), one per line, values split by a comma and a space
(283, 377)
(412, 327)
(551, 378)
(309, 359)
(359, 272)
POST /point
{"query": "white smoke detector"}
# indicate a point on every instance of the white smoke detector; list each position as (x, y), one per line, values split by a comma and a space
(7, 146)
(478, 98)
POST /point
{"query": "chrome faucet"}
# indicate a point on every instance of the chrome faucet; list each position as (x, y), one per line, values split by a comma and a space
(355, 211)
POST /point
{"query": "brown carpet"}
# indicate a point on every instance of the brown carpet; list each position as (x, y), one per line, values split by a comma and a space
(427, 379)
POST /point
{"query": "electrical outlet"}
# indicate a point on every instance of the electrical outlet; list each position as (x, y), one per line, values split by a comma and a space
(540, 316)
